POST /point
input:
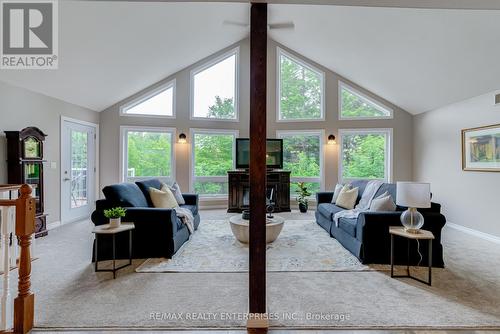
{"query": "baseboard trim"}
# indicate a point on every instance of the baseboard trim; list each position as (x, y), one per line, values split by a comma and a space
(53, 225)
(476, 233)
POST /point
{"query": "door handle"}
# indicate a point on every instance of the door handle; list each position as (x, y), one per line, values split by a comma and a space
(66, 179)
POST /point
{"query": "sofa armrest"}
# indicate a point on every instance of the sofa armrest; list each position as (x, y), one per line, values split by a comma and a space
(154, 219)
(191, 199)
(372, 223)
(372, 230)
(324, 197)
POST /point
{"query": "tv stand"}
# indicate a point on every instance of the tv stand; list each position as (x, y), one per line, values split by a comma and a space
(239, 189)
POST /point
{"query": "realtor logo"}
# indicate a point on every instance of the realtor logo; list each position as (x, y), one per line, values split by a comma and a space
(29, 34)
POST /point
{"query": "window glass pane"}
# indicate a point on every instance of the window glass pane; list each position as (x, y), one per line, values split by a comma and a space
(211, 188)
(354, 105)
(363, 156)
(312, 187)
(149, 154)
(161, 104)
(214, 90)
(301, 154)
(79, 168)
(300, 91)
(213, 154)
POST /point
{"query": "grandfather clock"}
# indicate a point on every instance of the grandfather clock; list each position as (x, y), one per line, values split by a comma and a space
(25, 165)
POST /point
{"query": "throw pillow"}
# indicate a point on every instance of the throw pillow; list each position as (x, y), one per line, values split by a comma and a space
(338, 189)
(347, 198)
(176, 190)
(162, 199)
(383, 202)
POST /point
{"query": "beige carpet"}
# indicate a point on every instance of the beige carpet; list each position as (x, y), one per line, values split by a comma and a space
(70, 294)
(302, 246)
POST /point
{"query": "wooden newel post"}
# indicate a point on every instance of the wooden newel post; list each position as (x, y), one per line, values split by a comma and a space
(24, 304)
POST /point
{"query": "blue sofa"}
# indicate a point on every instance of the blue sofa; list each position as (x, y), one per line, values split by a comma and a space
(158, 232)
(367, 237)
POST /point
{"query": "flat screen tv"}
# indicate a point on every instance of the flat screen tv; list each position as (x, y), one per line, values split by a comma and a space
(274, 153)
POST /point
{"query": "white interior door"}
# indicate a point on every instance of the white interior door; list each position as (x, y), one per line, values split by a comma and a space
(78, 170)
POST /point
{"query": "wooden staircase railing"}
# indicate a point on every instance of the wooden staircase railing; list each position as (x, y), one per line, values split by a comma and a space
(24, 303)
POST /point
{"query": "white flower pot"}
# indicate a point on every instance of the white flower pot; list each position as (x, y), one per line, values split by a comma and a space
(115, 222)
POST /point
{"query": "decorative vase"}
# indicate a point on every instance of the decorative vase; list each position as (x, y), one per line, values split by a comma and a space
(115, 222)
(303, 207)
(412, 220)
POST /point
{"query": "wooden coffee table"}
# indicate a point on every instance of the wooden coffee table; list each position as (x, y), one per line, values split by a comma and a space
(240, 228)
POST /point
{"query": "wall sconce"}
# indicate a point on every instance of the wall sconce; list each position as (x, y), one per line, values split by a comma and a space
(182, 138)
(331, 140)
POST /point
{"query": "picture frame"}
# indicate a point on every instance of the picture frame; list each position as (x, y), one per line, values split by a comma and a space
(481, 149)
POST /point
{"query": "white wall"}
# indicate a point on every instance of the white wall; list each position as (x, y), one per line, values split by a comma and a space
(20, 108)
(110, 122)
(469, 199)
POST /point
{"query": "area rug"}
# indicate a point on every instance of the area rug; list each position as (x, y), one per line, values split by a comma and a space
(301, 246)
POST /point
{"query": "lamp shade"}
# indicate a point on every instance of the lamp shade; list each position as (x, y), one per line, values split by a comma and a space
(413, 194)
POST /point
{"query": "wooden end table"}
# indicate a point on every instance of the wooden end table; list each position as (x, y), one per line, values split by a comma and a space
(107, 230)
(421, 235)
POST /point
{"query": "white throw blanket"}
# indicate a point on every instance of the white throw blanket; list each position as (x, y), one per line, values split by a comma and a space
(364, 203)
(187, 218)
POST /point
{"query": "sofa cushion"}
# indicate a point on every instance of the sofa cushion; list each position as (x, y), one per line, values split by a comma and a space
(347, 198)
(387, 187)
(192, 208)
(383, 202)
(336, 192)
(176, 190)
(162, 198)
(126, 195)
(145, 185)
(361, 185)
(328, 210)
(348, 225)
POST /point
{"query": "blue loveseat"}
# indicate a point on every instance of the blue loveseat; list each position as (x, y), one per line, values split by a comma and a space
(367, 237)
(158, 232)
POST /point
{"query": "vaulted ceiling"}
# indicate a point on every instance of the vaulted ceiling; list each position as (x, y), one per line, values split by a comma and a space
(419, 59)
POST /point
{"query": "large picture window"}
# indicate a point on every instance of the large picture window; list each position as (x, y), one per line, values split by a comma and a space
(147, 152)
(214, 88)
(303, 156)
(213, 155)
(357, 105)
(300, 89)
(365, 154)
(159, 102)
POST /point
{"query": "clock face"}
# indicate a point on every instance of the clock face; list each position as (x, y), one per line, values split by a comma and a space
(32, 148)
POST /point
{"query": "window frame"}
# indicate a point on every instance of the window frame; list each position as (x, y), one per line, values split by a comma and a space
(319, 132)
(313, 68)
(124, 130)
(342, 85)
(193, 178)
(214, 61)
(148, 94)
(389, 153)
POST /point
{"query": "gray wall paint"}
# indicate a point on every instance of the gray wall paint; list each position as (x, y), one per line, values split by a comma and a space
(20, 108)
(111, 122)
(468, 198)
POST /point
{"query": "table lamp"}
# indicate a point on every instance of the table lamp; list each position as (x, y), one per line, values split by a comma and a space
(413, 195)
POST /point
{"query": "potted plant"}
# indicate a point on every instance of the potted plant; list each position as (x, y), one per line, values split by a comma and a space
(303, 197)
(115, 216)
